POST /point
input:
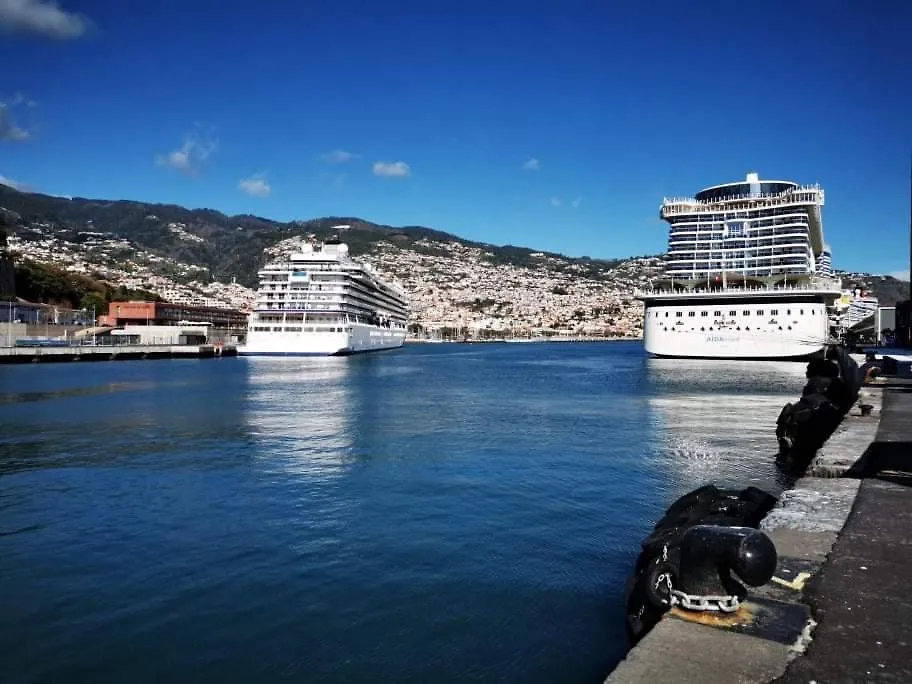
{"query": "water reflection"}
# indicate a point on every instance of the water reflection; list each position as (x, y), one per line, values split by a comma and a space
(104, 388)
(141, 414)
(301, 413)
(715, 420)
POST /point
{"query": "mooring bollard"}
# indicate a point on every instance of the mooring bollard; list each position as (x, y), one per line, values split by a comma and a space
(709, 554)
(688, 558)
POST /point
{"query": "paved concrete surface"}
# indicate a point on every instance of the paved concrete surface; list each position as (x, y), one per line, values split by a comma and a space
(851, 439)
(678, 651)
(813, 505)
(860, 598)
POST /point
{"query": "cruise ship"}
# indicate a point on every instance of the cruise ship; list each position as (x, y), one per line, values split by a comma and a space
(747, 274)
(861, 305)
(322, 302)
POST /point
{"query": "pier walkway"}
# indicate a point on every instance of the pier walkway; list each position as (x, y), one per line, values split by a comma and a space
(861, 595)
(120, 352)
(839, 609)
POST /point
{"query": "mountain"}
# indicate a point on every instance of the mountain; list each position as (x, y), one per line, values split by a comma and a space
(232, 246)
(125, 248)
(204, 256)
(887, 289)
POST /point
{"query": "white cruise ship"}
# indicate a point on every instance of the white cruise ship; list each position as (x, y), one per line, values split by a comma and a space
(748, 275)
(861, 306)
(322, 302)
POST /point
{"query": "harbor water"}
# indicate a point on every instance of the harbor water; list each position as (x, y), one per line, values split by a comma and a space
(443, 512)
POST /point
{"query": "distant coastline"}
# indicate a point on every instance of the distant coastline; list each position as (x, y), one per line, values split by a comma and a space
(526, 340)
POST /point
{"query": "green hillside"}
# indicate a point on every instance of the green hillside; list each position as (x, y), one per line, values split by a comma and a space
(46, 284)
(232, 246)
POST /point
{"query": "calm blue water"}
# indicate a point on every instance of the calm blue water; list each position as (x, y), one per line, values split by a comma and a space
(438, 513)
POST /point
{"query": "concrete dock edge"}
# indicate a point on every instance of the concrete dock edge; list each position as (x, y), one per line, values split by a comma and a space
(775, 624)
(125, 352)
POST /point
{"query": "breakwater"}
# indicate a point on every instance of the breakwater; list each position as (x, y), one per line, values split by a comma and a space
(123, 352)
(832, 530)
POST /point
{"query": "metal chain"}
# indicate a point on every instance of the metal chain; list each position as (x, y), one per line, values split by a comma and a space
(720, 604)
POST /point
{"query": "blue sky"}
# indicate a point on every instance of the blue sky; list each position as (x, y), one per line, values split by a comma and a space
(553, 125)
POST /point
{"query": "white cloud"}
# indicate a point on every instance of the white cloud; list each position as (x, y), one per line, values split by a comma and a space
(532, 164)
(392, 169)
(558, 202)
(256, 185)
(900, 275)
(20, 99)
(42, 18)
(339, 156)
(190, 157)
(15, 185)
(8, 129)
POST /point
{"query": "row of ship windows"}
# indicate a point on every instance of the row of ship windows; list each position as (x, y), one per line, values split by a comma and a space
(298, 328)
(714, 268)
(691, 271)
(786, 243)
(773, 256)
(766, 212)
(680, 260)
(799, 223)
(740, 251)
(764, 234)
(711, 329)
(745, 312)
(299, 298)
(306, 292)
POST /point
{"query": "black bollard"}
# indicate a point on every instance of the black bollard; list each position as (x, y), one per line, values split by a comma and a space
(709, 553)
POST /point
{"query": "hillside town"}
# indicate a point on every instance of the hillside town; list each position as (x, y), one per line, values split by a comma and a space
(453, 288)
(121, 262)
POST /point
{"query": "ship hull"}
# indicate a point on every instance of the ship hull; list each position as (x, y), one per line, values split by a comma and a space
(692, 331)
(362, 338)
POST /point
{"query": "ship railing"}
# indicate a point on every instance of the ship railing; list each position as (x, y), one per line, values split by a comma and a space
(814, 285)
(805, 194)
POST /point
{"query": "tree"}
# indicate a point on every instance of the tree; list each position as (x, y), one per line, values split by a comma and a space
(94, 301)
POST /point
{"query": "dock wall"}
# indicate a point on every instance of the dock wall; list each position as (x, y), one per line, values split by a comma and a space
(776, 623)
(113, 353)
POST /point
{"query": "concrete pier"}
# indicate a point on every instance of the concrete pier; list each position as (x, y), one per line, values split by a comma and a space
(113, 353)
(836, 609)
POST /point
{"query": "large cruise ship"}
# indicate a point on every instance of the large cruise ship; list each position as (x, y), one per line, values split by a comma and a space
(322, 302)
(748, 274)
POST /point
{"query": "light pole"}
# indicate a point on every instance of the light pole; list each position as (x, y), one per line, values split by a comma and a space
(9, 326)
